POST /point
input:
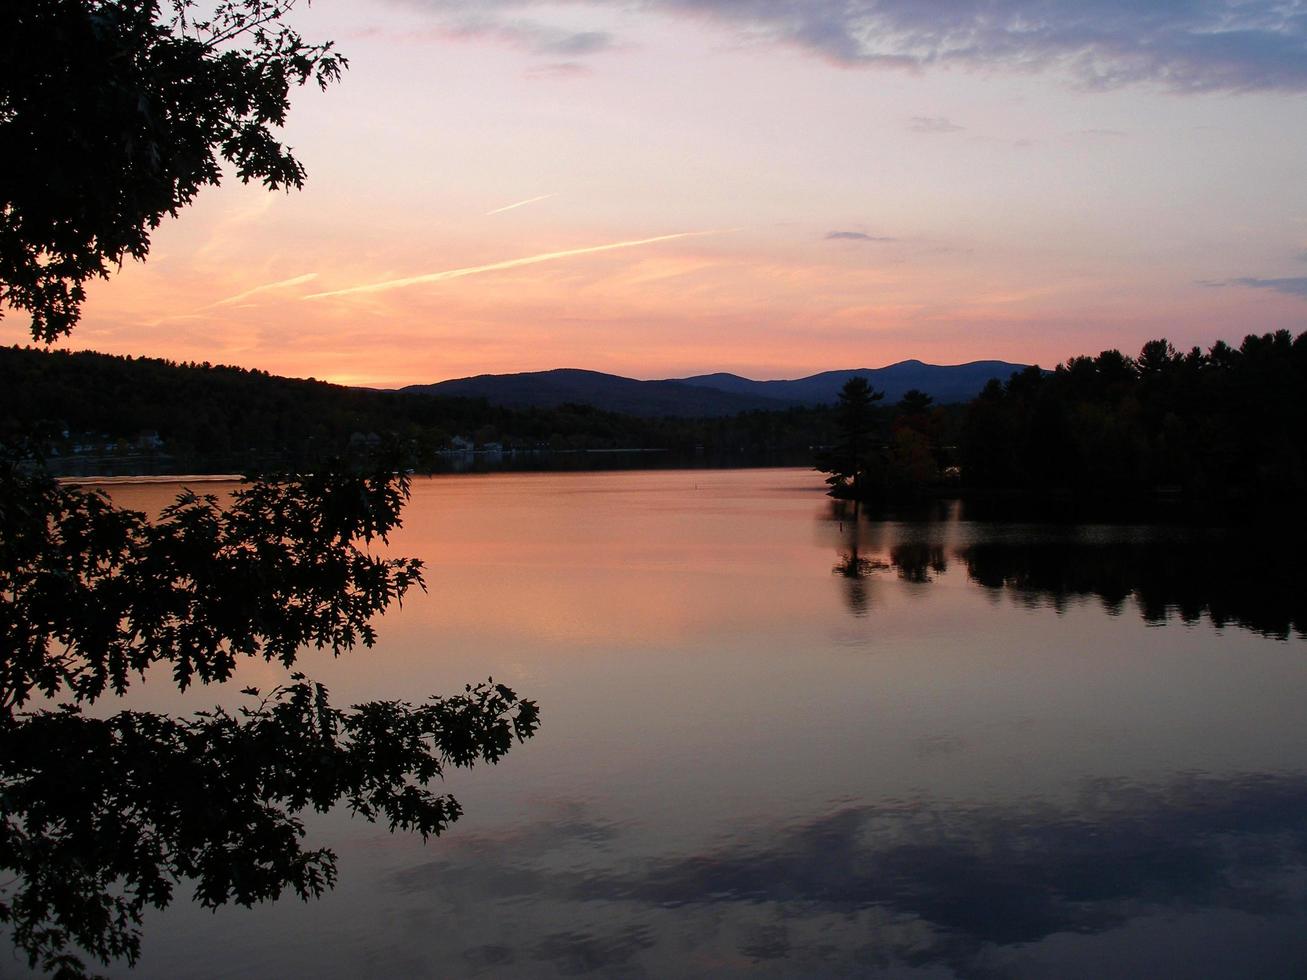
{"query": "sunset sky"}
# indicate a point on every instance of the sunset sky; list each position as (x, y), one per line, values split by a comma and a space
(772, 188)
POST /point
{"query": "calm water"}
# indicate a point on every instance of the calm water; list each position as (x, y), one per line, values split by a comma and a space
(781, 740)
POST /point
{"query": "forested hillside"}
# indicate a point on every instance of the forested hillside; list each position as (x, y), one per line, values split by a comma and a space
(1216, 429)
(101, 403)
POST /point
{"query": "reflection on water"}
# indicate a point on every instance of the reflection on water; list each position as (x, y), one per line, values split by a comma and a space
(976, 749)
(1233, 578)
(869, 884)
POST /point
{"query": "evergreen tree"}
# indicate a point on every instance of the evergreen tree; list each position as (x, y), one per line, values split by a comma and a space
(853, 462)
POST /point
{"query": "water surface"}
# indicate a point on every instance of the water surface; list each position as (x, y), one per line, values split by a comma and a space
(780, 738)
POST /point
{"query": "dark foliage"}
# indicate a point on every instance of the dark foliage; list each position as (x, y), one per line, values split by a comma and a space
(1216, 435)
(853, 462)
(115, 113)
(1224, 431)
(101, 817)
(883, 454)
(92, 594)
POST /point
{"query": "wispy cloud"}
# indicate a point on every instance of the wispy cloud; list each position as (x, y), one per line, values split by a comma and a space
(1293, 285)
(558, 69)
(1180, 45)
(932, 124)
(519, 204)
(856, 236)
(280, 284)
(541, 39)
(377, 287)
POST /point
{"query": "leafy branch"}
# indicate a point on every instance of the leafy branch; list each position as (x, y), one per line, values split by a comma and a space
(104, 817)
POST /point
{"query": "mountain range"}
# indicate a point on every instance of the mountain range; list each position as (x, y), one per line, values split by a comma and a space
(722, 394)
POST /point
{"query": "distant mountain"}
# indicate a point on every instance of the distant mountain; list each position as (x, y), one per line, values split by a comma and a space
(549, 389)
(714, 395)
(944, 383)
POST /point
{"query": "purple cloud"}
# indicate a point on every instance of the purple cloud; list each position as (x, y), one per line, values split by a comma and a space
(1292, 285)
(1179, 45)
(932, 124)
(540, 39)
(856, 236)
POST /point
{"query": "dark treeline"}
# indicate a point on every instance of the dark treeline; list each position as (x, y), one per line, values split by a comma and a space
(1207, 434)
(108, 403)
(1218, 434)
(1216, 429)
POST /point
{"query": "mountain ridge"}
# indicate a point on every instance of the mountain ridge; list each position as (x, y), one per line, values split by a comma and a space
(720, 393)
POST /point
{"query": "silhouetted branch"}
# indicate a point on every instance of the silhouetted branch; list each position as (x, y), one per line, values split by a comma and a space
(102, 817)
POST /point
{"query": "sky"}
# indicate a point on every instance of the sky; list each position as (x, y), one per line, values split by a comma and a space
(660, 188)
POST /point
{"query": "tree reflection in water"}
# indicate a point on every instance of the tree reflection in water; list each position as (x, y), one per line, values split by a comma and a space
(1242, 579)
(1249, 584)
(852, 566)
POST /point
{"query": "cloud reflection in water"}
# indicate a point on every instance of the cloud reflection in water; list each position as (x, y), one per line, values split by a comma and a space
(911, 883)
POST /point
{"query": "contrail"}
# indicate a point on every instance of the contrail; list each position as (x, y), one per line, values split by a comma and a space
(378, 287)
(509, 207)
(259, 289)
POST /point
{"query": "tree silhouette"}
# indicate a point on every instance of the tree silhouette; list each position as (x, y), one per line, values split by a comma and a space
(853, 462)
(113, 114)
(1221, 433)
(914, 403)
(103, 817)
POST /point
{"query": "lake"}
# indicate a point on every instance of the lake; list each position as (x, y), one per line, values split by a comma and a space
(781, 738)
